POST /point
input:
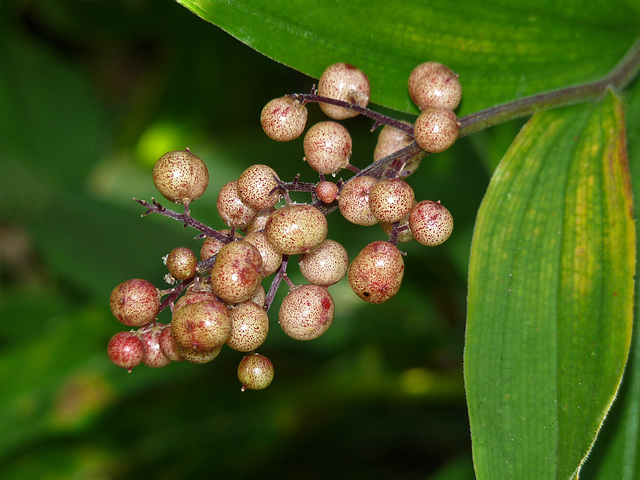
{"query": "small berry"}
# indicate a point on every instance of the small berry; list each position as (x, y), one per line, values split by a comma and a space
(135, 302)
(375, 275)
(325, 265)
(327, 147)
(296, 229)
(255, 187)
(255, 372)
(390, 140)
(193, 296)
(153, 354)
(168, 345)
(231, 209)
(201, 327)
(306, 312)
(354, 201)
(283, 119)
(192, 356)
(430, 222)
(327, 191)
(180, 176)
(345, 82)
(259, 221)
(391, 199)
(126, 350)
(211, 246)
(259, 297)
(237, 272)
(436, 129)
(181, 263)
(249, 326)
(271, 258)
(433, 84)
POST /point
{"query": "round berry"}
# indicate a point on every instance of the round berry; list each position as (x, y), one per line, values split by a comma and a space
(354, 201)
(327, 191)
(126, 350)
(180, 176)
(327, 147)
(255, 372)
(283, 119)
(181, 263)
(249, 326)
(135, 302)
(231, 209)
(193, 296)
(259, 297)
(391, 199)
(154, 357)
(436, 129)
(430, 222)
(168, 345)
(237, 272)
(390, 140)
(345, 82)
(271, 258)
(192, 356)
(295, 229)
(255, 187)
(306, 312)
(259, 221)
(325, 265)
(211, 246)
(433, 84)
(201, 326)
(375, 275)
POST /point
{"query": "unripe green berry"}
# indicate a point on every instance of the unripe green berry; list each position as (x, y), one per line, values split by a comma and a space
(283, 119)
(375, 275)
(345, 82)
(430, 222)
(180, 176)
(135, 302)
(181, 263)
(296, 229)
(436, 129)
(433, 84)
(255, 372)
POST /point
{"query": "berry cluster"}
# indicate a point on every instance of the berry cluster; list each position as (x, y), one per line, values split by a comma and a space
(220, 298)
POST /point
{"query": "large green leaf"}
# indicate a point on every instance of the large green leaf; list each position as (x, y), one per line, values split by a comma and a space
(502, 49)
(550, 294)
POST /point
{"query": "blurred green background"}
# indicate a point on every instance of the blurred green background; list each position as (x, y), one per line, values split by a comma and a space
(91, 94)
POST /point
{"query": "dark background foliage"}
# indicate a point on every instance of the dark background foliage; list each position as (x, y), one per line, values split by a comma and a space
(91, 94)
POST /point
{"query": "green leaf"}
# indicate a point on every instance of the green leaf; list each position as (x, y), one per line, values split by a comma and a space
(502, 49)
(550, 294)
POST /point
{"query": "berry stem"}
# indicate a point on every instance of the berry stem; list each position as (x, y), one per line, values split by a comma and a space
(280, 274)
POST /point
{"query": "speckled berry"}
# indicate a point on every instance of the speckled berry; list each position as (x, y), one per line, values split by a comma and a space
(211, 246)
(231, 209)
(430, 222)
(259, 221)
(375, 275)
(433, 84)
(327, 191)
(181, 263)
(306, 312)
(391, 199)
(199, 358)
(390, 140)
(259, 297)
(255, 187)
(126, 350)
(327, 147)
(193, 296)
(135, 302)
(153, 357)
(271, 258)
(354, 201)
(296, 229)
(249, 326)
(201, 326)
(255, 372)
(237, 272)
(345, 82)
(283, 119)
(168, 345)
(180, 176)
(326, 264)
(436, 129)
